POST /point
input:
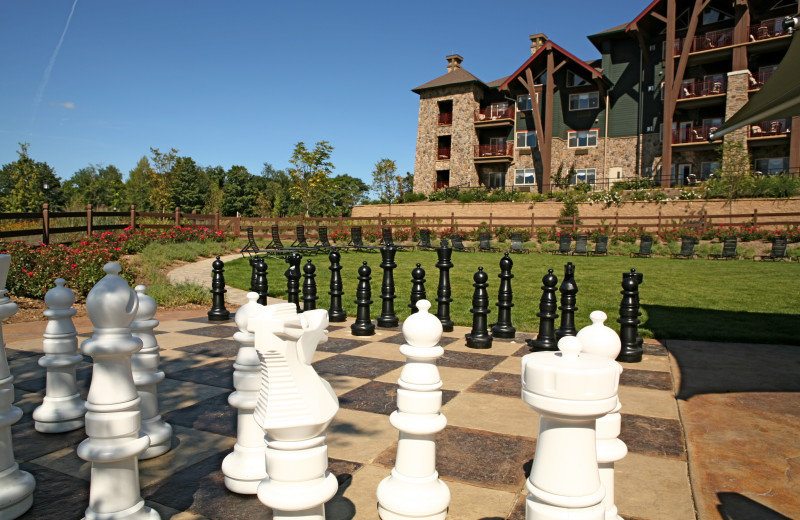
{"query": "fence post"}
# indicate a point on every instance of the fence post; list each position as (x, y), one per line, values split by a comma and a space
(490, 222)
(89, 220)
(616, 223)
(659, 219)
(452, 220)
(45, 223)
(755, 217)
(532, 222)
(177, 216)
(705, 218)
(133, 217)
(413, 221)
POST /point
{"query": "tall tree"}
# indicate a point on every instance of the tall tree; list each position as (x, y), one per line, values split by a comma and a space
(100, 186)
(240, 193)
(216, 186)
(346, 192)
(189, 185)
(310, 170)
(385, 182)
(162, 175)
(137, 187)
(26, 184)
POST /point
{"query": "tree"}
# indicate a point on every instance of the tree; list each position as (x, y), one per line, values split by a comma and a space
(99, 186)
(189, 185)
(346, 192)
(162, 175)
(384, 181)
(406, 185)
(309, 172)
(240, 192)
(137, 187)
(216, 186)
(22, 184)
(737, 169)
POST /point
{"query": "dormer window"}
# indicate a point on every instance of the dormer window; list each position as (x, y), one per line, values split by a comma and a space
(584, 100)
(573, 80)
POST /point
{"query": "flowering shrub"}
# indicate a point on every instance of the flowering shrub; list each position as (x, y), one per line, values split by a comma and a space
(631, 235)
(401, 235)
(371, 235)
(749, 232)
(340, 237)
(448, 232)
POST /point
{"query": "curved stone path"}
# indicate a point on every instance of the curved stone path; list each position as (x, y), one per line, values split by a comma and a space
(200, 273)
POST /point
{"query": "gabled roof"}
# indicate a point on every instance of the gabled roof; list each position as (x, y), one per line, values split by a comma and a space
(540, 55)
(456, 76)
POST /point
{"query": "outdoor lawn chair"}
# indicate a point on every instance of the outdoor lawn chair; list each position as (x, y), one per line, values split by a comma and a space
(564, 244)
(357, 241)
(600, 245)
(485, 242)
(728, 249)
(778, 251)
(645, 247)
(457, 244)
(323, 244)
(516, 244)
(687, 248)
(251, 248)
(425, 239)
(276, 245)
(388, 240)
(581, 245)
(301, 244)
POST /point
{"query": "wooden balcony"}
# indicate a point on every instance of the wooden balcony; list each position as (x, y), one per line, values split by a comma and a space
(445, 118)
(495, 114)
(771, 28)
(443, 153)
(774, 128)
(757, 80)
(705, 88)
(491, 152)
(692, 134)
(706, 42)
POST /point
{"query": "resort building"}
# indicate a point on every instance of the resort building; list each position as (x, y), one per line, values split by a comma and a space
(680, 65)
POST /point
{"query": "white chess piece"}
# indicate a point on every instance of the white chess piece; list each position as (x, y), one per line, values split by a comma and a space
(246, 467)
(569, 391)
(62, 408)
(16, 487)
(599, 340)
(146, 376)
(414, 490)
(295, 407)
(113, 417)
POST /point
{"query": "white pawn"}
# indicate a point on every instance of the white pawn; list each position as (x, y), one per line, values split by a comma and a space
(599, 340)
(16, 487)
(146, 376)
(246, 467)
(414, 490)
(295, 407)
(569, 391)
(113, 417)
(62, 408)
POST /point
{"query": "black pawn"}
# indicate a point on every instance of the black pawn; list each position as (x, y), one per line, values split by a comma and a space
(445, 253)
(363, 326)
(417, 287)
(218, 311)
(253, 262)
(639, 279)
(546, 339)
(309, 287)
(260, 287)
(503, 328)
(568, 290)
(336, 313)
(631, 351)
(293, 280)
(479, 337)
(388, 318)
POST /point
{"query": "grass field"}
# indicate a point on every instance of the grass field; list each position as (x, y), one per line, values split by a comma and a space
(713, 300)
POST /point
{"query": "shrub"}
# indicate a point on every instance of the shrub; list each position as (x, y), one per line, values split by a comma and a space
(414, 197)
(340, 237)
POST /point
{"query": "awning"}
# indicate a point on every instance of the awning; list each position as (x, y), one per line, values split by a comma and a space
(780, 95)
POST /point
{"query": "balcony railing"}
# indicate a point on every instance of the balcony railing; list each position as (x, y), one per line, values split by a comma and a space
(771, 28)
(757, 81)
(692, 134)
(494, 150)
(707, 41)
(446, 118)
(774, 128)
(442, 153)
(702, 88)
(495, 112)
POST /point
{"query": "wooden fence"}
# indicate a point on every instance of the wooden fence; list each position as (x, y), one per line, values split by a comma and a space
(41, 224)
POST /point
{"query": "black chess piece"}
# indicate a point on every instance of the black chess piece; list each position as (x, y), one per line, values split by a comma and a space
(388, 318)
(568, 290)
(445, 253)
(546, 339)
(417, 287)
(631, 351)
(479, 337)
(309, 287)
(639, 279)
(218, 311)
(293, 280)
(261, 286)
(363, 326)
(336, 313)
(253, 262)
(505, 300)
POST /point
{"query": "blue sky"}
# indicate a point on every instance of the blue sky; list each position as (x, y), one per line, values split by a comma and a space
(240, 82)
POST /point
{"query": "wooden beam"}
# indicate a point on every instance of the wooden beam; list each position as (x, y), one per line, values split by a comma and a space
(658, 16)
(669, 98)
(537, 113)
(524, 84)
(555, 69)
(699, 6)
(794, 146)
(741, 35)
(547, 149)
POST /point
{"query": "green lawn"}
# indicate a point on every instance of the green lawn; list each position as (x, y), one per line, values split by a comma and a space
(733, 301)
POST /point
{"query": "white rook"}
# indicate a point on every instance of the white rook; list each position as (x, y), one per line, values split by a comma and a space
(113, 418)
(246, 467)
(62, 408)
(569, 391)
(599, 340)
(295, 407)
(146, 376)
(16, 487)
(414, 490)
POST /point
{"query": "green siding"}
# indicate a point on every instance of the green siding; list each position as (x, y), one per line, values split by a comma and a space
(621, 67)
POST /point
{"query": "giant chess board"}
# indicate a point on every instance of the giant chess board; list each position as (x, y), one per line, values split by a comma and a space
(483, 454)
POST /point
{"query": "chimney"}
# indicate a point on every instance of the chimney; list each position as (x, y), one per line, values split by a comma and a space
(537, 41)
(454, 62)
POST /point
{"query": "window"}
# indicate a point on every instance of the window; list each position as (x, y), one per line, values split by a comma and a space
(707, 168)
(525, 176)
(493, 179)
(573, 80)
(524, 102)
(582, 138)
(711, 15)
(772, 165)
(526, 139)
(583, 176)
(584, 100)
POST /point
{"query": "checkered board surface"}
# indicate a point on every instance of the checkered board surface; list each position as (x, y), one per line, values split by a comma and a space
(484, 454)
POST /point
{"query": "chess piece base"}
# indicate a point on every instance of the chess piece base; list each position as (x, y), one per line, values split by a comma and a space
(244, 469)
(337, 317)
(479, 342)
(504, 332)
(219, 316)
(394, 321)
(17, 495)
(59, 414)
(160, 434)
(542, 346)
(137, 512)
(402, 498)
(630, 356)
(363, 330)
